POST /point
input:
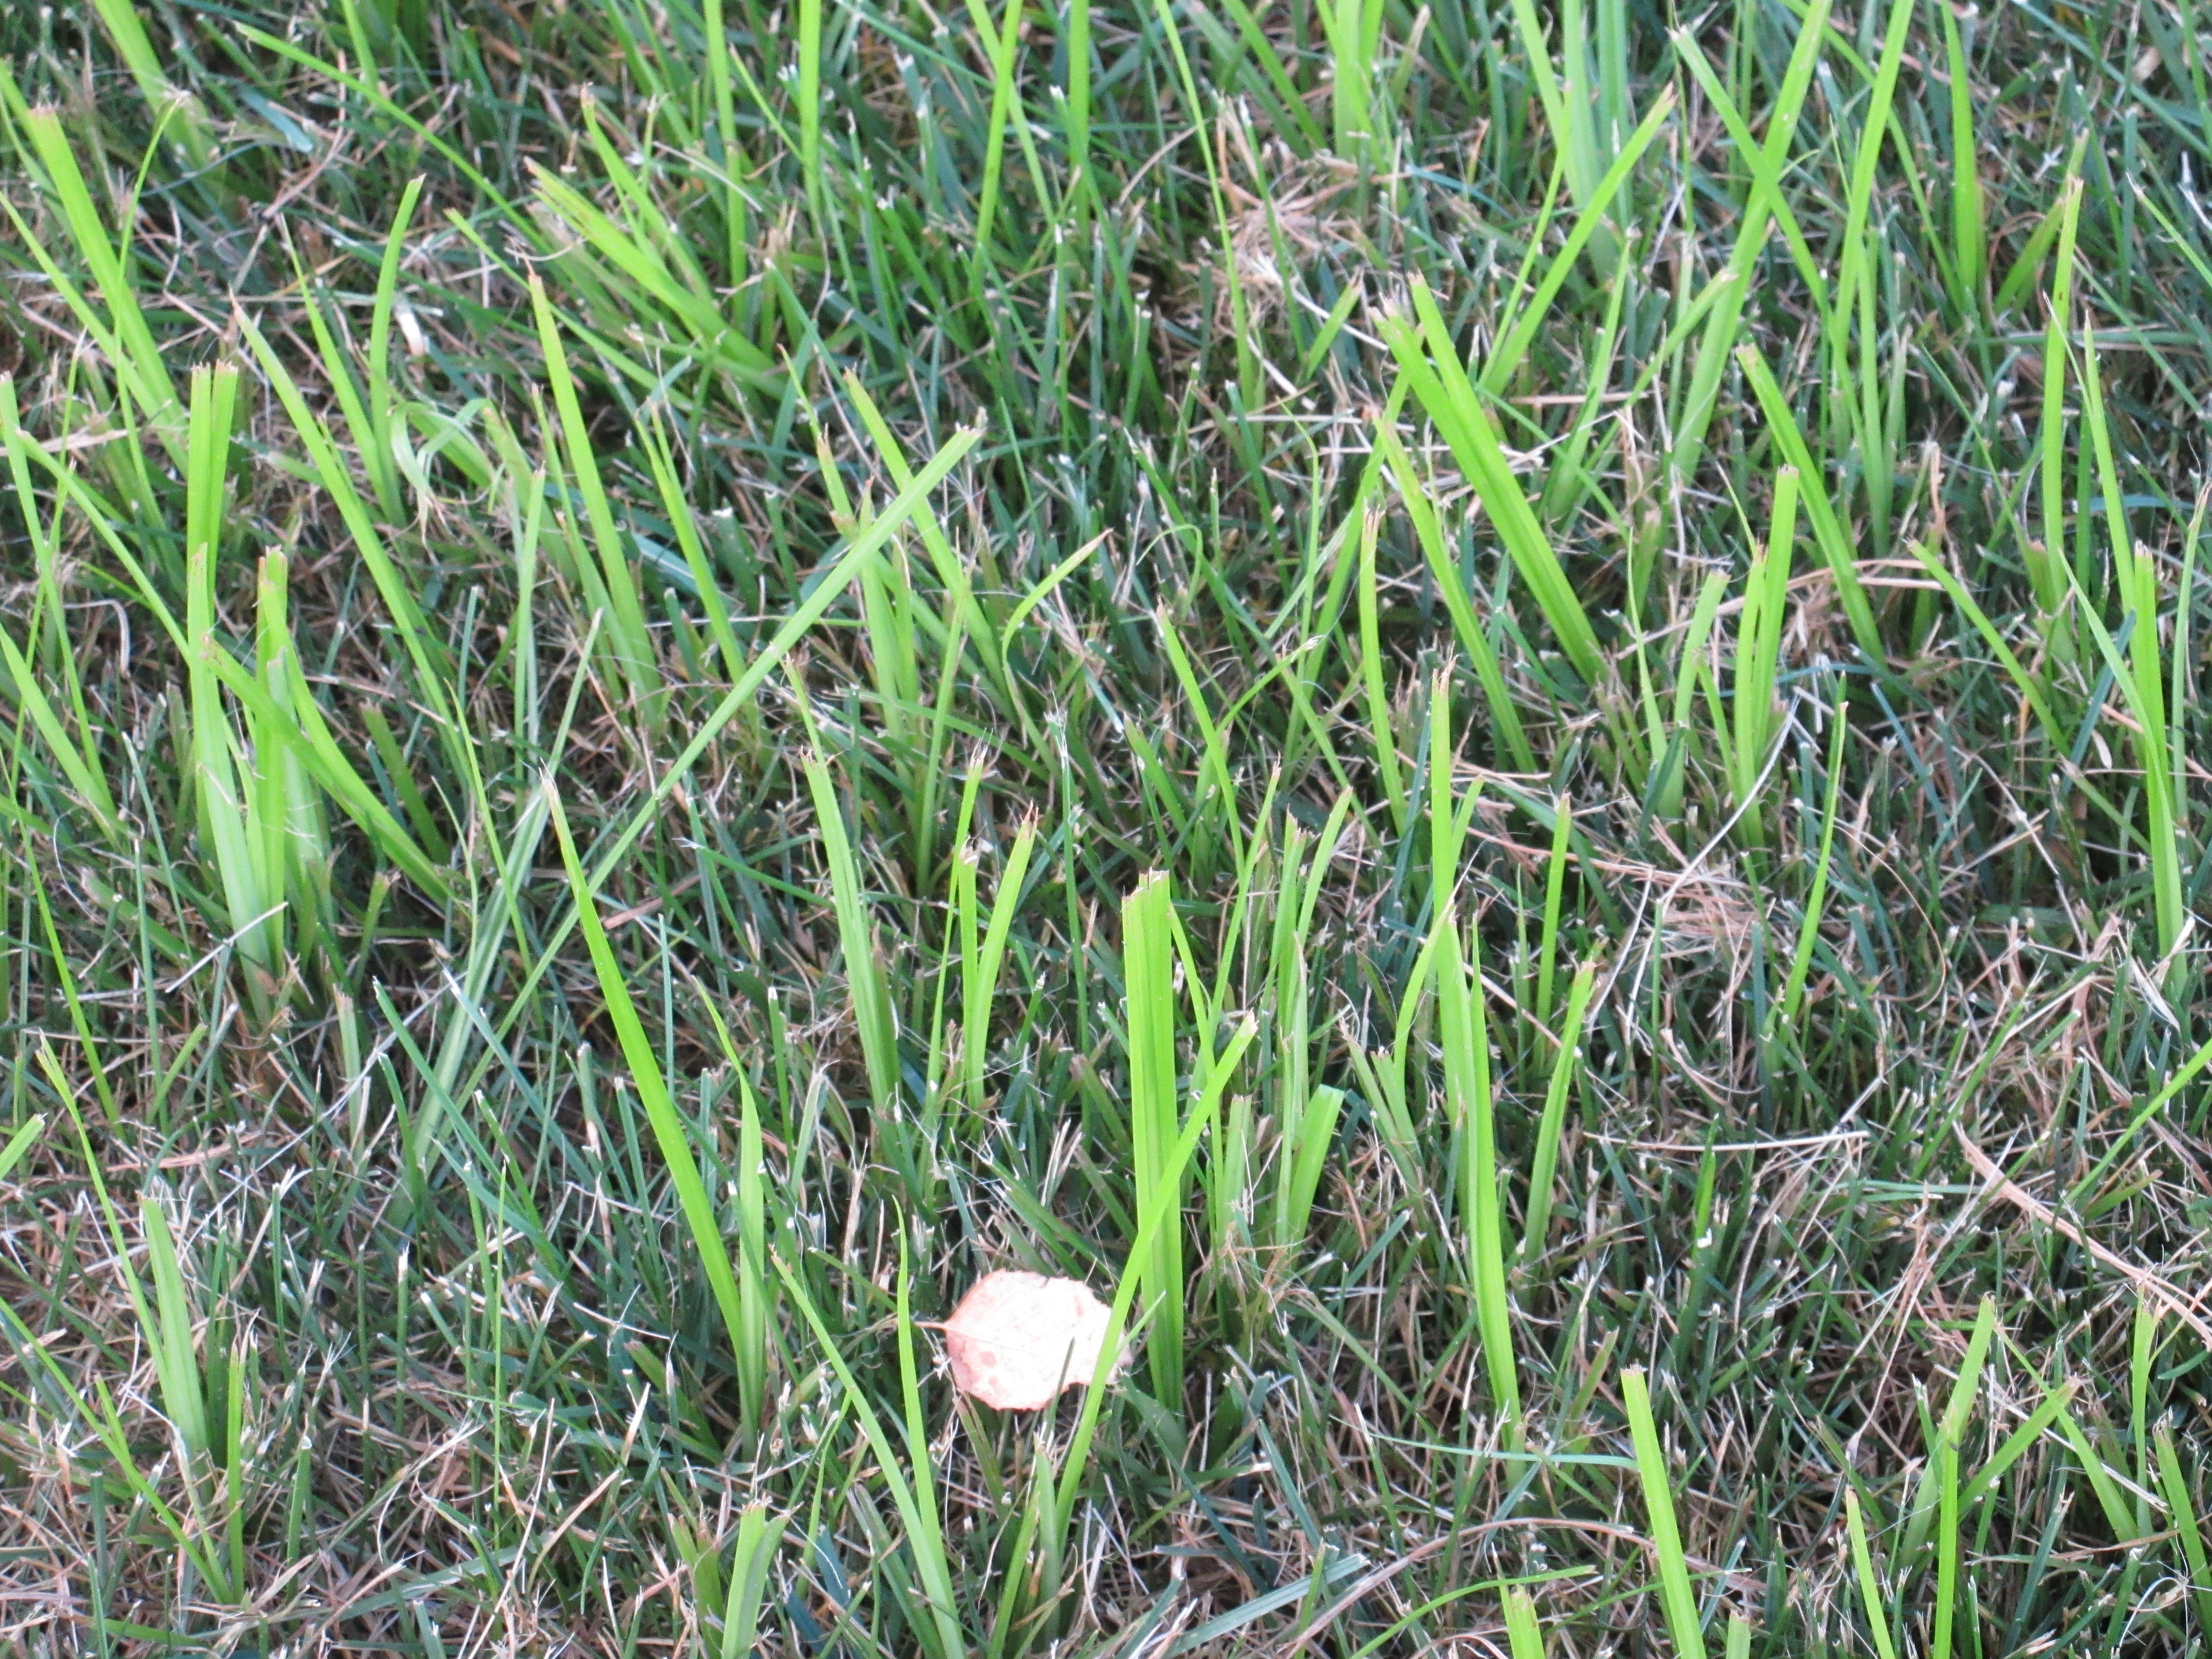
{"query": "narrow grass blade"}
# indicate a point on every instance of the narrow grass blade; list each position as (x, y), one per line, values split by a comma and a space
(668, 1130)
(1767, 166)
(1871, 1598)
(2142, 684)
(1463, 1034)
(827, 591)
(1555, 882)
(677, 506)
(2016, 1445)
(2046, 564)
(1522, 1632)
(175, 1359)
(428, 657)
(940, 1635)
(298, 725)
(1854, 266)
(2028, 684)
(1514, 339)
(1758, 658)
(864, 973)
(1677, 1598)
(1724, 324)
(1381, 730)
(20, 1143)
(637, 661)
(1835, 545)
(1544, 1164)
(251, 889)
(377, 457)
(1969, 232)
(136, 356)
(2118, 1514)
(1156, 1216)
(1950, 1433)
(1000, 48)
(1148, 980)
(2181, 1507)
(752, 1556)
(1808, 928)
(979, 993)
(1449, 398)
(120, 18)
(1451, 584)
(84, 776)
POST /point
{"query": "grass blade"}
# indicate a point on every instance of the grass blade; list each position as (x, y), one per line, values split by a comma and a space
(1969, 232)
(864, 974)
(131, 346)
(2173, 1483)
(1449, 396)
(1757, 658)
(668, 1130)
(1827, 526)
(1466, 628)
(1676, 1597)
(1464, 1037)
(1155, 1119)
(1544, 1164)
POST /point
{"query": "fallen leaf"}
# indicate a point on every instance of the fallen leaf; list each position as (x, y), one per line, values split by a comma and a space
(1017, 1339)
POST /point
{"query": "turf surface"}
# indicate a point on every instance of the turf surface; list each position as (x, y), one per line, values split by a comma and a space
(1491, 707)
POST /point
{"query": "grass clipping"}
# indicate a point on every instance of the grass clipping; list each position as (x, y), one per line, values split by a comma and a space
(1017, 1339)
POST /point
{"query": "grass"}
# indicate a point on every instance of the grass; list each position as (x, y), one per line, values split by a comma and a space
(1493, 706)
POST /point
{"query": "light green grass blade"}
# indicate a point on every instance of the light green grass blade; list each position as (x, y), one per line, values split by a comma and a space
(2046, 565)
(1555, 885)
(176, 1361)
(1854, 268)
(753, 1558)
(646, 1076)
(1720, 336)
(377, 453)
(426, 655)
(2174, 1486)
(1969, 231)
(940, 1635)
(1543, 1166)
(2029, 684)
(1452, 586)
(20, 1143)
(1158, 1217)
(84, 776)
(1449, 399)
(980, 994)
(130, 347)
(1155, 1119)
(864, 973)
(2016, 1445)
(1676, 1597)
(1382, 729)
(1876, 1604)
(1463, 1034)
(1521, 1629)
(638, 662)
(251, 890)
(298, 725)
(1589, 227)
(1808, 928)
(164, 99)
(1757, 658)
(1827, 526)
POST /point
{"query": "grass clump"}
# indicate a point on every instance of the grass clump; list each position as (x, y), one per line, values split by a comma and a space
(1491, 707)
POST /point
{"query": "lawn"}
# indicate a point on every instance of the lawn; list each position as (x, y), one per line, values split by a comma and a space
(1492, 705)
